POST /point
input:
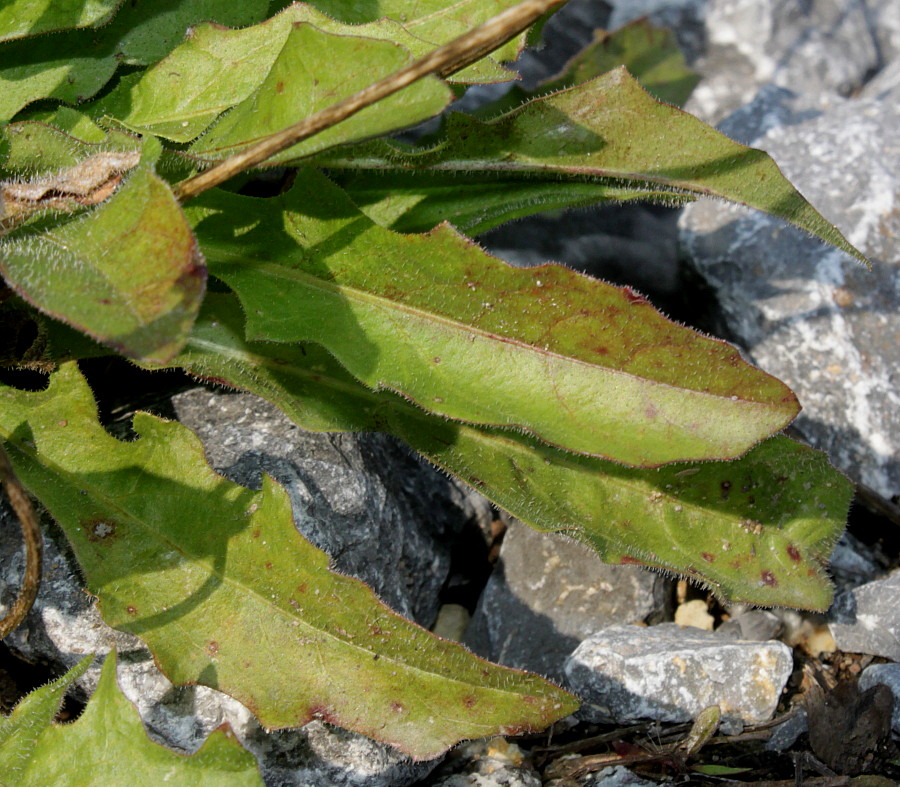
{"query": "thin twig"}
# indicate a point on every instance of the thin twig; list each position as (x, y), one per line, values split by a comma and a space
(445, 60)
(34, 547)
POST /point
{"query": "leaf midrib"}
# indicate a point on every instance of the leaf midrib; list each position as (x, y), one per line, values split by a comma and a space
(277, 271)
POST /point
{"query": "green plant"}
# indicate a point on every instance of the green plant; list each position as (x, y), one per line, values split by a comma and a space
(345, 301)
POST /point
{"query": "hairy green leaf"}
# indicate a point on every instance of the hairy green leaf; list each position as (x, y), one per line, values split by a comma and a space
(606, 132)
(575, 361)
(437, 21)
(226, 592)
(73, 65)
(758, 529)
(312, 71)
(475, 203)
(651, 55)
(33, 751)
(216, 68)
(29, 720)
(19, 18)
(127, 273)
(34, 149)
(107, 745)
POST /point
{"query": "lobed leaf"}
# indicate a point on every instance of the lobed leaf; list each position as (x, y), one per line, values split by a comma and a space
(20, 18)
(312, 71)
(73, 65)
(608, 132)
(127, 273)
(758, 530)
(575, 361)
(107, 744)
(224, 590)
(21, 730)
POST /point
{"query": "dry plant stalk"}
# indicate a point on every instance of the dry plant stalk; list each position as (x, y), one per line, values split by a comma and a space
(34, 547)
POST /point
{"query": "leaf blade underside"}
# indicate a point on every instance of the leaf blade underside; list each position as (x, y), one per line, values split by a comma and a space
(577, 362)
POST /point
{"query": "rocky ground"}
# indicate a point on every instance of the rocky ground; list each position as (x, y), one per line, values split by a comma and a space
(806, 698)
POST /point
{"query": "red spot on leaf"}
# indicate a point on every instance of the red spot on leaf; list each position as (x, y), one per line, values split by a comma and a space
(397, 707)
(628, 560)
(633, 297)
(255, 533)
(268, 564)
(768, 578)
(470, 700)
(131, 610)
(708, 557)
(212, 647)
(793, 553)
(301, 588)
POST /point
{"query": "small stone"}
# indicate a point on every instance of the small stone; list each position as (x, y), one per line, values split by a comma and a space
(548, 593)
(617, 776)
(669, 673)
(820, 641)
(785, 735)
(888, 675)
(694, 613)
(452, 621)
(758, 625)
(867, 619)
(486, 763)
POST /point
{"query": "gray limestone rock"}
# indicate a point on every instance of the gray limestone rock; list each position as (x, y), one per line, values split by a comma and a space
(548, 593)
(808, 313)
(788, 43)
(867, 619)
(668, 673)
(889, 675)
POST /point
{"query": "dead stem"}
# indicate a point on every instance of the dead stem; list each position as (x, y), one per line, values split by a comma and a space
(445, 60)
(34, 548)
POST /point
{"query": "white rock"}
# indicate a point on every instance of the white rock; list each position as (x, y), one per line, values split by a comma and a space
(668, 673)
